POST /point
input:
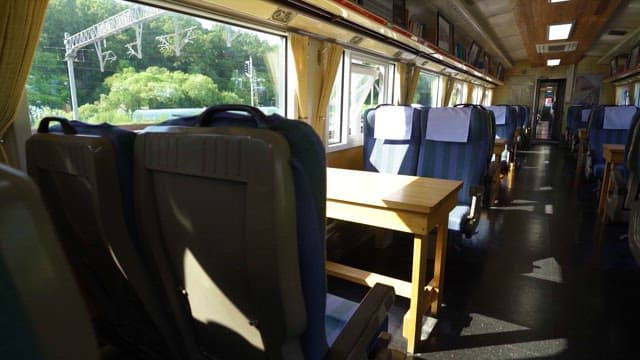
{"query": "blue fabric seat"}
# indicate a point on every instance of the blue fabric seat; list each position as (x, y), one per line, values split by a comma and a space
(506, 118)
(607, 125)
(455, 144)
(281, 184)
(43, 315)
(392, 139)
(85, 173)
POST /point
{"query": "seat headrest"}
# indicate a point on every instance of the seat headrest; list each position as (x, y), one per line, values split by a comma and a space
(500, 113)
(393, 122)
(618, 117)
(449, 124)
(584, 116)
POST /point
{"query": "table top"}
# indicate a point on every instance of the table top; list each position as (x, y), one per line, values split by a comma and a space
(399, 192)
(613, 147)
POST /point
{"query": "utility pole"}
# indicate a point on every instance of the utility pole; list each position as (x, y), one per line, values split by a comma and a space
(250, 72)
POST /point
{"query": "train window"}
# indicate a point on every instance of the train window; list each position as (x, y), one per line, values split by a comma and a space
(636, 95)
(622, 95)
(124, 63)
(458, 94)
(477, 94)
(362, 82)
(427, 90)
(488, 97)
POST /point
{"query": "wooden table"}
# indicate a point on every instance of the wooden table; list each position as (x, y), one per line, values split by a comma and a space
(613, 154)
(404, 203)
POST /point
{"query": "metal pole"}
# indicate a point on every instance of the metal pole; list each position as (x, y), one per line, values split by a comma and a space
(72, 78)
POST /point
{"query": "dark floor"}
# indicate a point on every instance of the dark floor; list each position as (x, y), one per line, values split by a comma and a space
(541, 279)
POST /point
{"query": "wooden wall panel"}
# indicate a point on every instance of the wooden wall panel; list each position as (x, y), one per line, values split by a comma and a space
(346, 159)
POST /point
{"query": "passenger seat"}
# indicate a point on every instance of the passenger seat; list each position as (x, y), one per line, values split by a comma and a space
(85, 175)
(41, 310)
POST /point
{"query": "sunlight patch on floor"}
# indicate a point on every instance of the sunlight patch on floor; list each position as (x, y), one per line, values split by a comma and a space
(482, 324)
(546, 269)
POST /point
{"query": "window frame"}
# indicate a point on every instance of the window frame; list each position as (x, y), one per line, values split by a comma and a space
(348, 140)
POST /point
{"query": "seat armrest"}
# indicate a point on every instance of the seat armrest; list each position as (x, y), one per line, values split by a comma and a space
(361, 329)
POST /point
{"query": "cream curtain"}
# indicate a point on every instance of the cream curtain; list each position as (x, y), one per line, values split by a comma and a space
(20, 25)
(401, 72)
(471, 89)
(449, 84)
(413, 84)
(300, 50)
(329, 56)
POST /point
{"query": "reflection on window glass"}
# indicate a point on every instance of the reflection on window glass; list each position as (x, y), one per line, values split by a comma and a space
(488, 95)
(150, 64)
(334, 112)
(637, 94)
(427, 90)
(458, 94)
(365, 87)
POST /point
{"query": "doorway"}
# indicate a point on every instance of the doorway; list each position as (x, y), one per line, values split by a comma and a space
(549, 110)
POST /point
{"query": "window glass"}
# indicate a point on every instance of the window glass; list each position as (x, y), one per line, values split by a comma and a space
(458, 94)
(488, 97)
(334, 112)
(147, 65)
(636, 96)
(427, 90)
(361, 83)
(622, 95)
(477, 94)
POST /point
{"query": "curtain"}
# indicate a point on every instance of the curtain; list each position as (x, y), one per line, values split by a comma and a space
(300, 50)
(471, 90)
(401, 72)
(330, 55)
(449, 85)
(20, 25)
(413, 84)
(482, 91)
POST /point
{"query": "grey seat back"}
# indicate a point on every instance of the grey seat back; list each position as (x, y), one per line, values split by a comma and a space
(207, 209)
(79, 178)
(38, 294)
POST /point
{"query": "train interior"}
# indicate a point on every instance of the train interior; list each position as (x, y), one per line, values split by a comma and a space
(310, 179)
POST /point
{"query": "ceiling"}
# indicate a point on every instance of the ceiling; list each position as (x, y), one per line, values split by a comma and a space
(511, 29)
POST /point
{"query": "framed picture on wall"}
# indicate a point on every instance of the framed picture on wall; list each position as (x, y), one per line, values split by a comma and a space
(633, 57)
(472, 56)
(444, 34)
(500, 72)
(486, 62)
(613, 65)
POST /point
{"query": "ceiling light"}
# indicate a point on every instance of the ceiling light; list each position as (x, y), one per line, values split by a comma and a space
(560, 31)
(557, 1)
(553, 62)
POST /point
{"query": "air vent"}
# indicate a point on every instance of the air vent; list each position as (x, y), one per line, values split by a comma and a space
(356, 40)
(556, 47)
(283, 16)
(617, 32)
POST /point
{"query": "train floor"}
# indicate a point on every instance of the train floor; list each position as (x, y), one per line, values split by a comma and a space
(542, 278)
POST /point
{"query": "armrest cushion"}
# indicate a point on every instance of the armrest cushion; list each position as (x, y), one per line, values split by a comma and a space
(361, 329)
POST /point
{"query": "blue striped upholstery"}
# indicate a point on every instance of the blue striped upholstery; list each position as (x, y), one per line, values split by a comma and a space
(458, 161)
(573, 114)
(391, 156)
(506, 130)
(325, 320)
(599, 136)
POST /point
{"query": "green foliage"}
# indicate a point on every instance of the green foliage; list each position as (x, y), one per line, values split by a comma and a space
(209, 70)
(154, 88)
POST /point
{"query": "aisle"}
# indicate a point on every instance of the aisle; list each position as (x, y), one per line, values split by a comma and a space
(542, 278)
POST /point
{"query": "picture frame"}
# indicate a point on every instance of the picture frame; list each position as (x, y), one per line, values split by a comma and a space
(614, 67)
(444, 34)
(500, 72)
(621, 63)
(486, 62)
(633, 57)
(472, 55)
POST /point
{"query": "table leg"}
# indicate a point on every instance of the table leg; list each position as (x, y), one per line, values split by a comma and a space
(412, 326)
(439, 262)
(604, 186)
